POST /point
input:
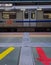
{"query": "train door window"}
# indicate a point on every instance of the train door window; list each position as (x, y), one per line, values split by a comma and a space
(26, 18)
(32, 15)
(26, 15)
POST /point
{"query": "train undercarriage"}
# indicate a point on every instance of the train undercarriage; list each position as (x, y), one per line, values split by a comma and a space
(25, 29)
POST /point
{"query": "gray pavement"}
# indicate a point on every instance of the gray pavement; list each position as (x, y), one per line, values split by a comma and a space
(41, 39)
(26, 41)
(47, 51)
(12, 58)
(26, 56)
(10, 39)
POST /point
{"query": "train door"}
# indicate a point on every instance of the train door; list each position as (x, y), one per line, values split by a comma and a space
(32, 18)
(26, 18)
(19, 15)
(19, 18)
(40, 17)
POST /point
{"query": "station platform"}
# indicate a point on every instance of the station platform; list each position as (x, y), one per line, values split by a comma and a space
(23, 48)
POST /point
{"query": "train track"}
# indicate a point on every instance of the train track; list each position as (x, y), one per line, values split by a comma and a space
(25, 29)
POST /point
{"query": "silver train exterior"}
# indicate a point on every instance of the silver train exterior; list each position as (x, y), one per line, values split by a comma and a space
(26, 16)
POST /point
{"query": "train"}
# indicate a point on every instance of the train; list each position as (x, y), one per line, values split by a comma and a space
(25, 18)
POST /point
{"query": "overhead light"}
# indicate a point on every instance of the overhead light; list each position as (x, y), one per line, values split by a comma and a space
(8, 4)
(23, 9)
(39, 8)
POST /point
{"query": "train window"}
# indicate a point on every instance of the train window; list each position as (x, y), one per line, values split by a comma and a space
(32, 15)
(5, 16)
(9, 15)
(47, 16)
(50, 16)
(26, 15)
(12, 16)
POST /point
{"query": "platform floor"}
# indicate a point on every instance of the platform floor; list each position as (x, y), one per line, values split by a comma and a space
(25, 44)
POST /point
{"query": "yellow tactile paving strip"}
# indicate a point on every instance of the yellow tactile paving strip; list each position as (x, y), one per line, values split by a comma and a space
(44, 34)
(11, 34)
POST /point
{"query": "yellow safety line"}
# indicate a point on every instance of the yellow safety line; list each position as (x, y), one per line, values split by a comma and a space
(6, 52)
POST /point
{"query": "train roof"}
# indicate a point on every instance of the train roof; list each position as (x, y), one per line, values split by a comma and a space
(25, 0)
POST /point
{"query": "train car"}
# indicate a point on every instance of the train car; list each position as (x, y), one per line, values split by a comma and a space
(25, 17)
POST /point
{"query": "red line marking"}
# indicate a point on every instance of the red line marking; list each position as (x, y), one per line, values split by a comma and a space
(42, 56)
